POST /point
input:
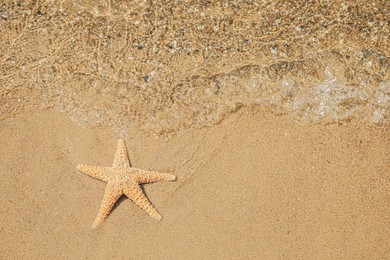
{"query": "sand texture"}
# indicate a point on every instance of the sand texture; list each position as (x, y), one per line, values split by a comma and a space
(274, 116)
(256, 186)
(165, 66)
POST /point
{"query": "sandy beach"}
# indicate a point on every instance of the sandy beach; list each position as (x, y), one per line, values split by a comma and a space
(255, 186)
(273, 115)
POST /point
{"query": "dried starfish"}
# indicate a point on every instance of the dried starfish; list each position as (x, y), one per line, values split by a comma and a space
(123, 179)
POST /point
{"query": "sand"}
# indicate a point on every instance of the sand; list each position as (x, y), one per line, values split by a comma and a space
(273, 115)
(257, 186)
(171, 65)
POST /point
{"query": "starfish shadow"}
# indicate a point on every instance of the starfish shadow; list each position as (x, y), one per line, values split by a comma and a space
(119, 201)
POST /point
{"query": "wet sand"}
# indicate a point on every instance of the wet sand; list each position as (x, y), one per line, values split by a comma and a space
(256, 186)
(166, 66)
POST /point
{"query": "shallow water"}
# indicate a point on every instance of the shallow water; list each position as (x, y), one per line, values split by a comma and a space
(206, 101)
(179, 65)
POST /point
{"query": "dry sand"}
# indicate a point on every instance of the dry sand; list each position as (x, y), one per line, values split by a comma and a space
(257, 186)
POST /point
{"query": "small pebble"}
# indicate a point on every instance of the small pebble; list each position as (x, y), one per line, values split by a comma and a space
(4, 15)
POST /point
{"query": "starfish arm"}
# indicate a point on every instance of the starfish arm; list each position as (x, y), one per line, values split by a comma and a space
(98, 172)
(121, 159)
(111, 195)
(138, 197)
(147, 177)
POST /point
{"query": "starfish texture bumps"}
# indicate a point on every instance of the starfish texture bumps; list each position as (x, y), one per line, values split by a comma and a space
(123, 179)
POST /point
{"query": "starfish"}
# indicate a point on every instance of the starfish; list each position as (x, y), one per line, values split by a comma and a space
(123, 179)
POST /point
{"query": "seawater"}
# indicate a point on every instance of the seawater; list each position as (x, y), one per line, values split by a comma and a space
(207, 101)
(169, 66)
